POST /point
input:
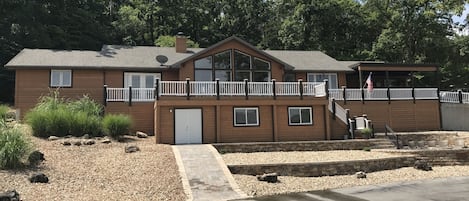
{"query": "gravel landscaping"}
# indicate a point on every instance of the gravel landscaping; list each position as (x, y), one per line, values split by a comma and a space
(100, 172)
(251, 186)
(301, 156)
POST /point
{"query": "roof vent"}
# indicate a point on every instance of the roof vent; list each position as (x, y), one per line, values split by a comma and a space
(161, 59)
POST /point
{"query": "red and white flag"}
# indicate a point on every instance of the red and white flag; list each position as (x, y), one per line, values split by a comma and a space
(369, 83)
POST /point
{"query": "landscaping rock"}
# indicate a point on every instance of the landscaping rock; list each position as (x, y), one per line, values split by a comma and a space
(39, 178)
(10, 196)
(86, 136)
(423, 165)
(361, 175)
(141, 134)
(270, 177)
(52, 138)
(89, 142)
(68, 136)
(131, 149)
(35, 158)
(77, 143)
(66, 143)
(106, 141)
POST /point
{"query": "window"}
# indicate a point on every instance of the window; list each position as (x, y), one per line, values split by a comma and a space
(300, 116)
(251, 68)
(140, 80)
(320, 77)
(61, 78)
(246, 116)
(222, 65)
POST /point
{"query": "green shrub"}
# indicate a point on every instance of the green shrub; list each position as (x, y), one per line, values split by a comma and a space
(85, 124)
(87, 105)
(14, 147)
(4, 112)
(116, 125)
(45, 123)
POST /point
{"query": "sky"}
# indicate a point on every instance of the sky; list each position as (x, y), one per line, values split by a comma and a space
(461, 18)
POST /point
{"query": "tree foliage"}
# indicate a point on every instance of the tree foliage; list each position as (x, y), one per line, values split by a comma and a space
(386, 30)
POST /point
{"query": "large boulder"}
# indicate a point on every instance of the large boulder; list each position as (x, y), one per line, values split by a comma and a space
(39, 178)
(10, 196)
(270, 177)
(361, 175)
(89, 142)
(131, 149)
(35, 158)
(423, 165)
(86, 136)
(77, 143)
(66, 143)
(106, 141)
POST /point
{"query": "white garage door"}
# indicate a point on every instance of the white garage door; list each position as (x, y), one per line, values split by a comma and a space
(188, 126)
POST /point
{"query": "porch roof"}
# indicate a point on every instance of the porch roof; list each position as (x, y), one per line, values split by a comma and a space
(383, 66)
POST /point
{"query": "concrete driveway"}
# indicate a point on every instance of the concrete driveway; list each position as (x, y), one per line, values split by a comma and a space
(446, 189)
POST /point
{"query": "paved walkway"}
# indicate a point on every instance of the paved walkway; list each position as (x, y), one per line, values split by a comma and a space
(204, 174)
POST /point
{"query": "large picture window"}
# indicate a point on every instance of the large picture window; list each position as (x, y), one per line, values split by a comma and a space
(140, 80)
(300, 116)
(320, 77)
(232, 65)
(246, 116)
(61, 78)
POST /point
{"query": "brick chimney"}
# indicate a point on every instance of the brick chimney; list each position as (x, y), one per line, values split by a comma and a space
(181, 46)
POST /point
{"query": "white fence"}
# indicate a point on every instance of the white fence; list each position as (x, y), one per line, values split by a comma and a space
(384, 94)
(454, 97)
(212, 88)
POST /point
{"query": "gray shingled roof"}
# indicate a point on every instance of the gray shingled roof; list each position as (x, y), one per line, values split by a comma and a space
(143, 57)
(111, 56)
(309, 60)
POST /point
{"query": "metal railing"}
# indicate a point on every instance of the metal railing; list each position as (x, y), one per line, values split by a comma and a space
(391, 135)
(454, 97)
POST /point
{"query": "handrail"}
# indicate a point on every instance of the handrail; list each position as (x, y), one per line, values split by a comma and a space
(387, 129)
(384, 94)
(454, 97)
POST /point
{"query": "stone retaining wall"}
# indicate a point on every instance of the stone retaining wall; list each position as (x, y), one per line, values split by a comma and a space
(324, 168)
(358, 144)
(429, 139)
(439, 157)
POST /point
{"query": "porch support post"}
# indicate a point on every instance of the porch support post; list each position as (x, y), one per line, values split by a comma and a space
(413, 85)
(413, 94)
(105, 96)
(246, 88)
(188, 88)
(349, 125)
(218, 88)
(327, 88)
(130, 95)
(300, 81)
(460, 96)
(388, 93)
(274, 90)
(387, 79)
(157, 89)
(363, 95)
(334, 109)
(360, 78)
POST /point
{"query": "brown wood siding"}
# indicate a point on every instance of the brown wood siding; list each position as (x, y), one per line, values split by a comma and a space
(142, 114)
(114, 78)
(301, 75)
(221, 128)
(400, 115)
(32, 84)
(341, 79)
(231, 133)
(287, 132)
(170, 75)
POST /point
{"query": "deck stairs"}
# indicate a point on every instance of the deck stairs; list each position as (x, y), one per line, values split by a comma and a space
(382, 142)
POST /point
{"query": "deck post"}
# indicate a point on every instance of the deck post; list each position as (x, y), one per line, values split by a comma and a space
(326, 85)
(246, 88)
(105, 96)
(460, 96)
(188, 88)
(218, 88)
(274, 90)
(344, 94)
(157, 89)
(349, 125)
(413, 94)
(388, 93)
(130, 95)
(363, 96)
(300, 81)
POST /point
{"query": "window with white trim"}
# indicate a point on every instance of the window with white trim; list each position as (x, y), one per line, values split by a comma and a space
(246, 116)
(300, 116)
(140, 80)
(61, 78)
(320, 77)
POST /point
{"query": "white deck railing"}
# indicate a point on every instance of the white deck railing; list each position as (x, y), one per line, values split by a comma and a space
(212, 88)
(454, 97)
(384, 94)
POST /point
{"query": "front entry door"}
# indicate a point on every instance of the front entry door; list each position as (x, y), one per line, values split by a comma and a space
(188, 126)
